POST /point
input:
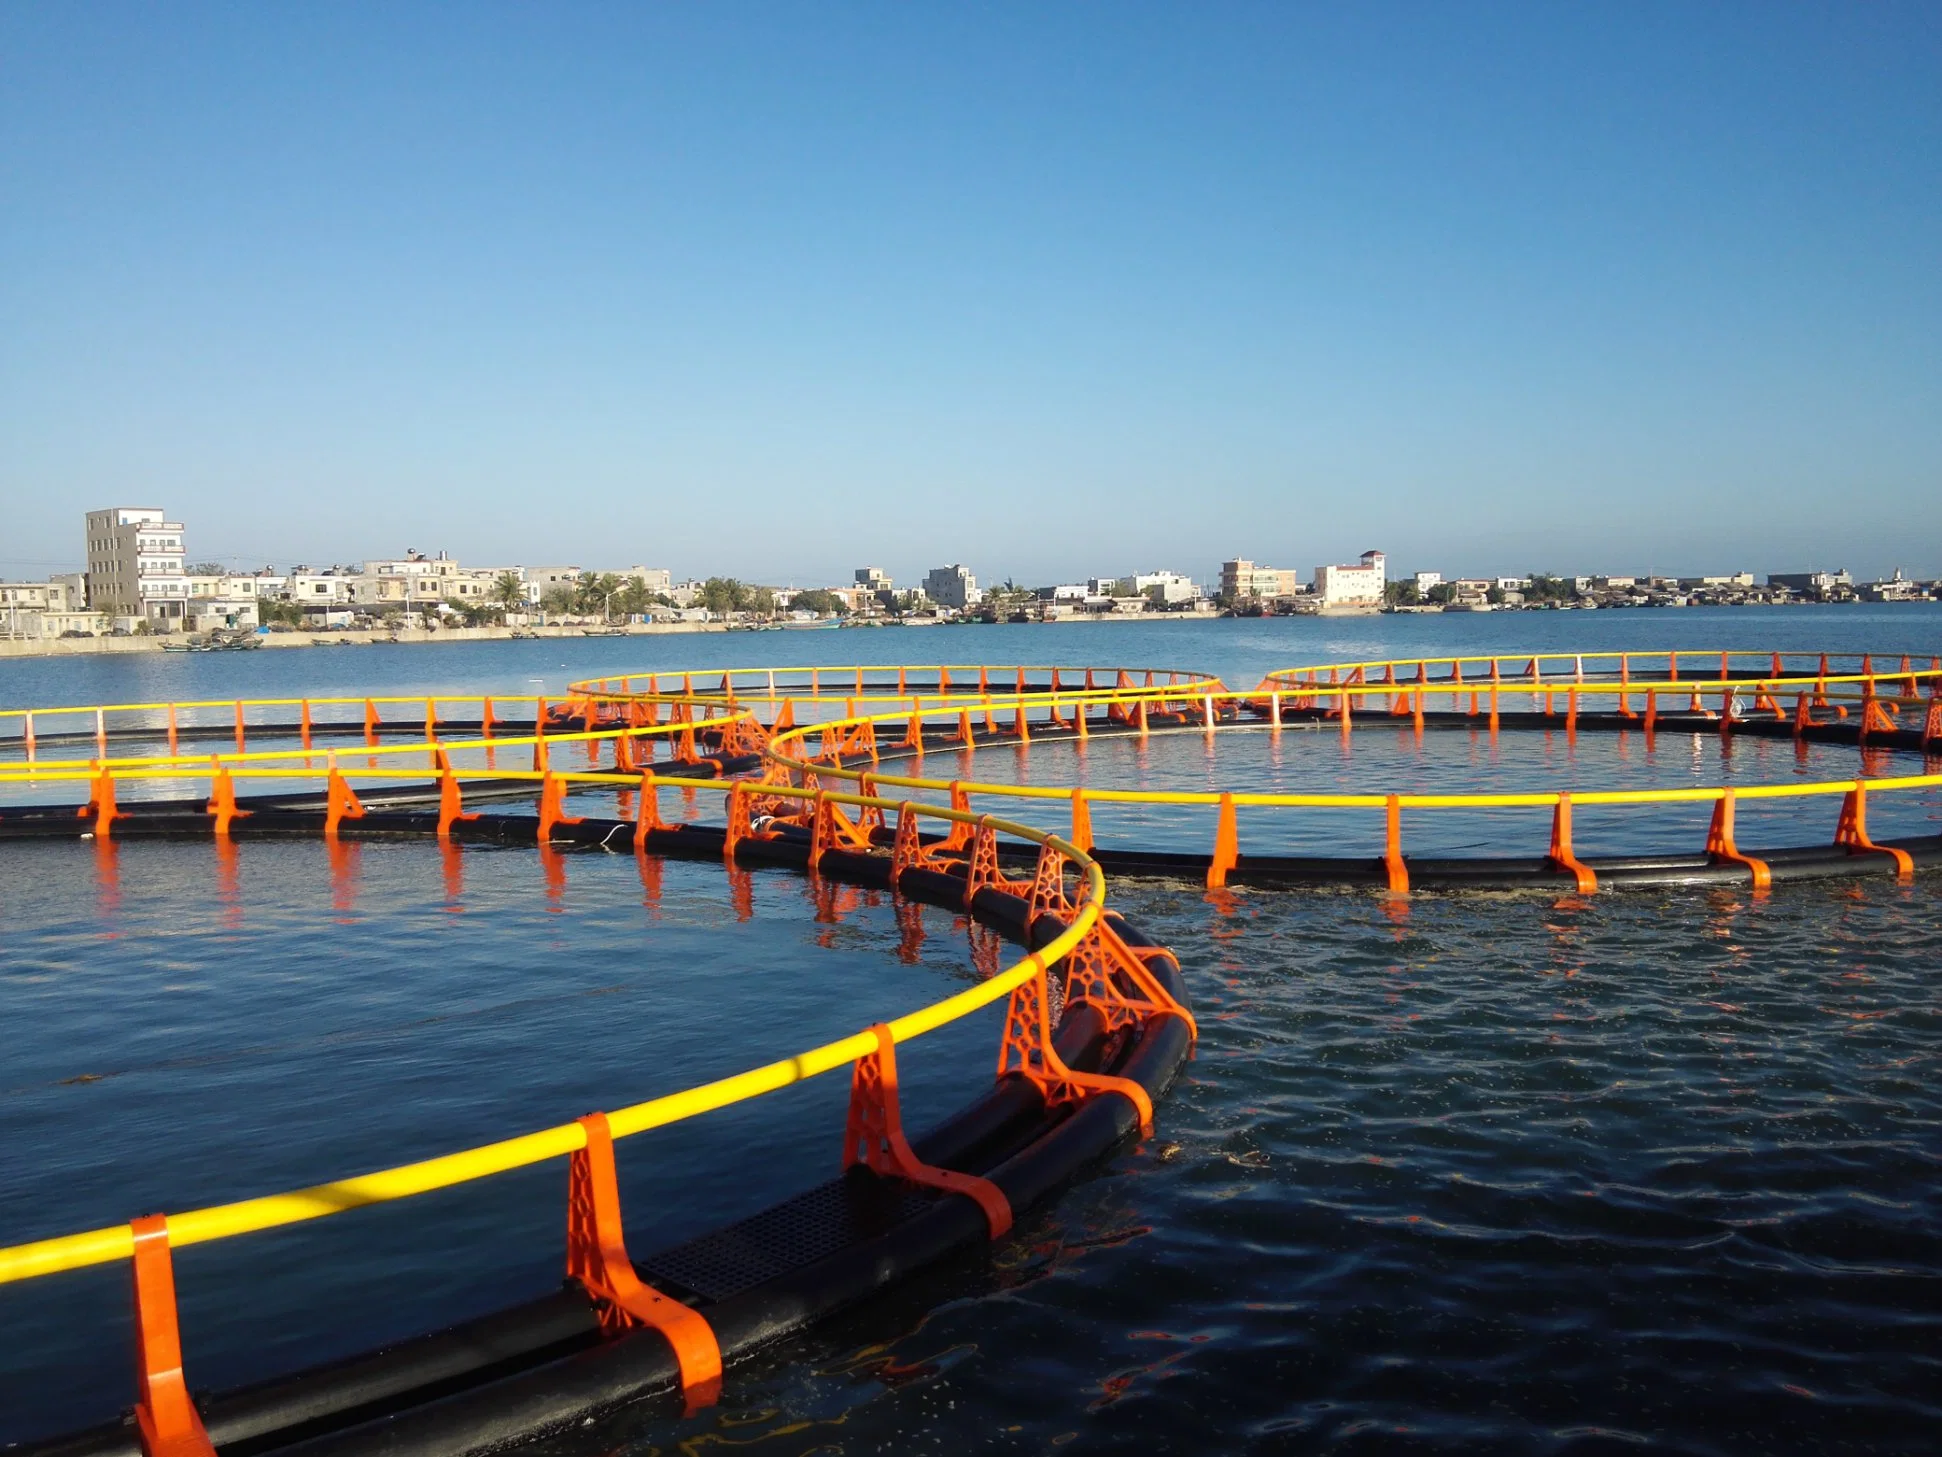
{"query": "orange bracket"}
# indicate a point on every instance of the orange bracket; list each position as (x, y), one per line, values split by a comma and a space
(222, 803)
(831, 829)
(101, 807)
(1027, 1050)
(984, 869)
(1227, 853)
(1852, 831)
(552, 808)
(450, 804)
(340, 804)
(164, 1415)
(1392, 855)
(1876, 717)
(873, 1135)
(596, 1256)
(1720, 846)
(1932, 725)
(1081, 822)
(1563, 857)
(648, 815)
(371, 724)
(1093, 970)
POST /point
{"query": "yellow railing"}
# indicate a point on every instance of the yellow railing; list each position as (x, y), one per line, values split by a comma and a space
(223, 1221)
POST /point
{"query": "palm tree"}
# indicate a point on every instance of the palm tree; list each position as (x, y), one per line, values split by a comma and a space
(508, 591)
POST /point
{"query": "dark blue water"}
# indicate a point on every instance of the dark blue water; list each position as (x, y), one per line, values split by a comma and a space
(1471, 1174)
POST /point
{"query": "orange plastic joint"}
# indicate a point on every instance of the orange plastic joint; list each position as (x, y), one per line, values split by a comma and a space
(165, 1417)
(552, 808)
(873, 1136)
(222, 803)
(1852, 831)
(340, 803)
(1392, 855)
(596, 1256)
(1227, 852)
(101, 807)
(1563, 856)
(1721, 848)
(1026, 1049)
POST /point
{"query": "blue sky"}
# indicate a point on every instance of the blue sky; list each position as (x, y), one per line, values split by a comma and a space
(776, 291)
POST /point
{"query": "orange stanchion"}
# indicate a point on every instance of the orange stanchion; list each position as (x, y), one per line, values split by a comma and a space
(647, 815)
(172, 736)
(222, 803)
(1651, 720)
(340, 804)
(371, 722)
(165, 1417)
(1081, 836)
(552, 808)
(1227, 852)
(596, 1257)
(239, 726)
(1562, 855)
(1392, 855)
(101, 806)
(303, 722)
(873, 1136)
(1852, 831)
(451, 805)
(1720, 846)
(1027, 1050)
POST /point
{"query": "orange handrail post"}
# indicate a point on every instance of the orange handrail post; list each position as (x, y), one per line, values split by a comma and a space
(1852, 831)
(1563, 856)
(1392, 856)
(1226, 845)
(371, 723)
(1720, 846)
(303, 720)
(172, 743)
(596, 1258)
(222, 803)
(1081, 822)
(165, 1417)
(239, 726)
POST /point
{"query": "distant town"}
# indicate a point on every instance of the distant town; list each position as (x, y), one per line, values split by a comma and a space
(140, 582)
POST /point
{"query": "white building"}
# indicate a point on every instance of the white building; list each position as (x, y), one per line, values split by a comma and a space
(135, 564)
(1357, 586)
(1427, 580)
(953, 586)
(1165, 588)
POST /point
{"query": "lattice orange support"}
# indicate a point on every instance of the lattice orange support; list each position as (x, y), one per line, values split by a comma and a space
(831, 829)
(165, 1417)
(1852, 831)
(1227, 853)
(1876, 716)
(1048, 887)
(913, 739)
(596, 1257)
(552, 808)
(1392, 855)
(1563, 856)
(1932, 725)
(340, 804)
(1139, 717)
(869, 817)
(1081, 836)
(647, 814)
(1094, 971)
(908, 851)
(101, 805)
(240, 745)
(965, 736)
(684, 747)
(222, 804)
(1651, 720)
(873, 1135)
(1018, 726)
(984, 870)
(1721, 848)
(371, 722)
(1026, 1049)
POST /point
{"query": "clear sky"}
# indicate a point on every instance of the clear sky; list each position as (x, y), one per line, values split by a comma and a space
(780, 290)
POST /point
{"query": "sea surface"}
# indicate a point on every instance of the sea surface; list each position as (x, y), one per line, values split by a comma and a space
(1643, 1171)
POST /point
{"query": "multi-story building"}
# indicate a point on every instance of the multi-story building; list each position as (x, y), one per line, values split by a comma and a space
(1426, 580)
(1734, 579)
(873, 579)
(135, 564)
(1164, 588)
(1819, 583)
(953, 587)
(1355, 587)
(1241, 578)
(658, 580)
